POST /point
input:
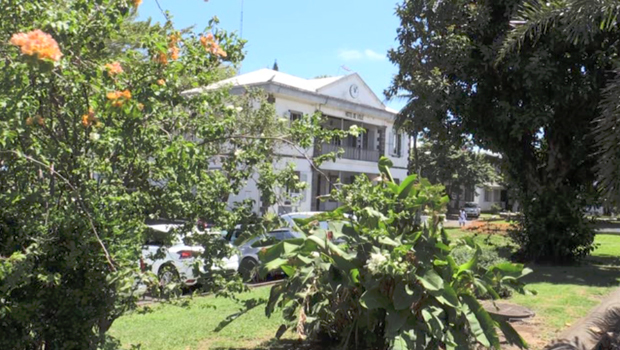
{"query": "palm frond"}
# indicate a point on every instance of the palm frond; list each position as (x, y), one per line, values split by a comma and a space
(579, 20)
(533, 20)
(607, 137)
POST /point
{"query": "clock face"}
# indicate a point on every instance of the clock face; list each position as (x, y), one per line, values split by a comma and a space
(354, 91)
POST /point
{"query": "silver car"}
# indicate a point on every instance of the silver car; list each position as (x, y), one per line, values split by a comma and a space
(249, 250)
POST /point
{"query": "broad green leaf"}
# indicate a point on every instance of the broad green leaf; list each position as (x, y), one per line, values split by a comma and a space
(511, 334)
(481, 323)
(446, 296)
(403, 297)
(288, 269)
(471, 264)
(373, 299)
(405, 187)
(431, 280)
(395, 320)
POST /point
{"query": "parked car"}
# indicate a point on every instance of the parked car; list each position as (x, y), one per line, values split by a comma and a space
(249, 250)
(173, 260)
(472, 210)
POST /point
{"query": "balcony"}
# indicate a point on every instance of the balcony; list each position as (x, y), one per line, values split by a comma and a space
(354, 153)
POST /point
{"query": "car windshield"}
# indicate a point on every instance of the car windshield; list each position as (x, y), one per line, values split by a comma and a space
(471, 205)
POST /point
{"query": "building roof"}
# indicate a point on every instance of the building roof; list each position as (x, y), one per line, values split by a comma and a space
(318, 86)
(265, 75)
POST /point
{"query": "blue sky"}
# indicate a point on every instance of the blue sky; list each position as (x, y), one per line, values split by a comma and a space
(308, 38)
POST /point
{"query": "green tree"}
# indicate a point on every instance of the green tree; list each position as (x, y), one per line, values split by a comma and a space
(582, 22)
(535, 107)
(457, 168)
(97, 138)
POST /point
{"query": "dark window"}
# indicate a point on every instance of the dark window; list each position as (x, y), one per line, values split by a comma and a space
(295, 116)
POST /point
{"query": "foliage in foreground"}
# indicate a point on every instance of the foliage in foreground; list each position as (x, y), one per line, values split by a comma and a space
(96, 136)
(375, 280)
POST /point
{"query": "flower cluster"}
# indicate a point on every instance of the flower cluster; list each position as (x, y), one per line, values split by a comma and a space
(89, 118)
(173, 49)
(113, 68)
(209, 43)
(118, 98)
(136, 3)
(37, 43)
(37, 119)
(375, 262)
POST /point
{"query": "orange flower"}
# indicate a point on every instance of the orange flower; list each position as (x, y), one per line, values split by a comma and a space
(89, 118)
(174, 53)
(37, 43)
(113, 68)
(118, 98)
(173, 39)
(209, 43)
(161, 82)
(161, 58)
(126, 94)
(113, 95)
(29, 121)
(136, 3)
(40, 120)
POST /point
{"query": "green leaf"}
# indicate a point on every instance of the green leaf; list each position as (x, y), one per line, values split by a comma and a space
(431, 280)
(471, 264)
(446, 296)
(288, 269)
(354, 275)
(403, 297)
(481, 323)
(405, 187)
(395, 320)
(373, 299)
(511, 334)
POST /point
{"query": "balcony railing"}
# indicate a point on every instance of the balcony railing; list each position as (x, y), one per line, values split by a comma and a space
(355, 153)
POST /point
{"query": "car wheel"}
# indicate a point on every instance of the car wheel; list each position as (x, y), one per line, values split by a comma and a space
(168, 275)
(247, 269)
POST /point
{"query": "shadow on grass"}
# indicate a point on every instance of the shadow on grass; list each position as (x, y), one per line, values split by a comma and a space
(609, 227)
(282, 344)
(596, 271)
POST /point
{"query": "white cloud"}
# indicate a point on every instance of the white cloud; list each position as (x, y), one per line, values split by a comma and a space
(374, 56)
(350, 55)
(357, 55)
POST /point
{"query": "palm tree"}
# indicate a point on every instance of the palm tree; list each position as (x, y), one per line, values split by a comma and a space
(580, 21)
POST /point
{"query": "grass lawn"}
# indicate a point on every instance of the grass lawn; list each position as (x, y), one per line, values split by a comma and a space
(565, 294)
(170, 327)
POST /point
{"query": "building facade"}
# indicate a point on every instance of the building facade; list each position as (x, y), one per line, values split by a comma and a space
(344, 101)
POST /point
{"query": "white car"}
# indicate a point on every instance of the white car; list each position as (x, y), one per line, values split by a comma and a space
(175, 262)
(471, 210)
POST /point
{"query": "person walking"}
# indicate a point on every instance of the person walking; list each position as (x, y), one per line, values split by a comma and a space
(462, 217)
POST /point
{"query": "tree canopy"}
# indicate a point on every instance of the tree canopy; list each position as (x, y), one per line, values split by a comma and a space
(96, 137)
(535, 107)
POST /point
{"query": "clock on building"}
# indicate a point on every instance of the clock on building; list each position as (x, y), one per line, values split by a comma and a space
(354, 91)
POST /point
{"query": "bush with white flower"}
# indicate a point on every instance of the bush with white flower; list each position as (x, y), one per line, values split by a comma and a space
(380, 281)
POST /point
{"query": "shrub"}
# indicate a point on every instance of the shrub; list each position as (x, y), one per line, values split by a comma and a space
(487, 258)
(390, 283)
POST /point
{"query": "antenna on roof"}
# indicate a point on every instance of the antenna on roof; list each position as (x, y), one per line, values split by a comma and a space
(241, 22)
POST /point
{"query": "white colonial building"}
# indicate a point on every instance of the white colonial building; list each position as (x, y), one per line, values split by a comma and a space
(344, 101)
